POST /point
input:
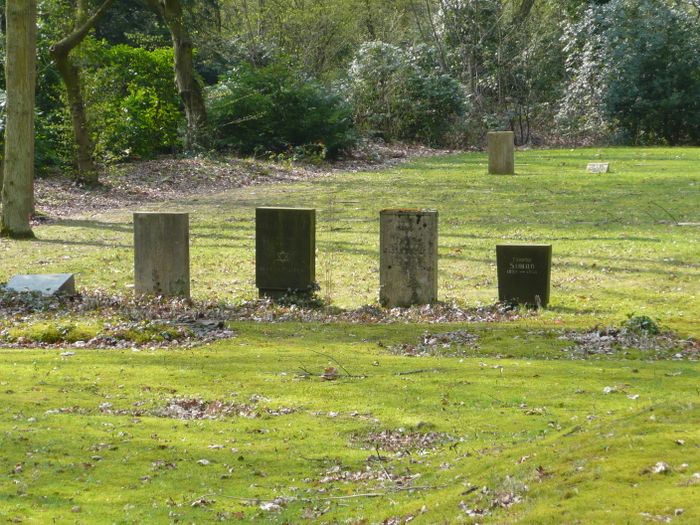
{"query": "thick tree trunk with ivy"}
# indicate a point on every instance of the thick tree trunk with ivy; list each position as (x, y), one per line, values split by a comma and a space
(189, 89)
(20, 72)
(70, 75)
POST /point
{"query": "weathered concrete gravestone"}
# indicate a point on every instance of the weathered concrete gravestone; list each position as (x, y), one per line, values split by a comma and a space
(285, 251)
(162, 254)
(408, 257)
(46, 284)
(524, 273)
(598, 167)
(501, 148)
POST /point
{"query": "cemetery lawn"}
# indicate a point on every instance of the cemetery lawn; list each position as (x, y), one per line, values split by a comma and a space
(289, 422)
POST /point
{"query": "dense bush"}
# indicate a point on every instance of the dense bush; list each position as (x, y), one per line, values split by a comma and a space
(271, 109)
(402, 94)
(654, 92)
(133, 105)
(634, 74)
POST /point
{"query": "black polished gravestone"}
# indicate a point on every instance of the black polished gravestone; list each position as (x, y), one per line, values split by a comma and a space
(524, 273)
(285, 251)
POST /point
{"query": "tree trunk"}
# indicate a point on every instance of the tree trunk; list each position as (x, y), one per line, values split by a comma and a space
(85, 149)
(185, 79)
(70, 75)
(20, 71)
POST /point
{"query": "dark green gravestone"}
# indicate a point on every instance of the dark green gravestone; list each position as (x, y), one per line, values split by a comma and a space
(524, 273)
(285, 251)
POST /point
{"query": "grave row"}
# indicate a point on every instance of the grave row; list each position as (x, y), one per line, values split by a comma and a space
(285, 249)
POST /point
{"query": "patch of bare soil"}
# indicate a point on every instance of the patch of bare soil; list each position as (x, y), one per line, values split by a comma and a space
(401, 440)
(185, 408)
(265, 311)
(171, 178)
(339, 474)
(609, 341)
(448, 344)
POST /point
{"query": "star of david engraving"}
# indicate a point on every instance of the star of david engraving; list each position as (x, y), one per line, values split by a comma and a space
(283, 257)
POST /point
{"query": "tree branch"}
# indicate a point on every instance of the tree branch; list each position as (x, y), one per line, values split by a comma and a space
(65, 46)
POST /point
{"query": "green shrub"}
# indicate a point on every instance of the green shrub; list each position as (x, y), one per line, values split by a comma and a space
(133, 105)
(634, 74)
(642, 324)
(403, 94)
(270, 109)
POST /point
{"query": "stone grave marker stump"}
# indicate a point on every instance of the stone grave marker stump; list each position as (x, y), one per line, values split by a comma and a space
(162, 254)
(598, 167)
(501, 148)
(524, 273)
(285, 251)
(45, 284)
(408, 257)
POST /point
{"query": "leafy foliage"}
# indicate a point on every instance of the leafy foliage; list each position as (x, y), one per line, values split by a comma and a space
(133, 106)
(642, 324)
(654, 93)
(634, 72)
(403, 94)
(271, 109)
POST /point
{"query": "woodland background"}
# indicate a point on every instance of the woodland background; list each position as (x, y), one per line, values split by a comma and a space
(312, 78)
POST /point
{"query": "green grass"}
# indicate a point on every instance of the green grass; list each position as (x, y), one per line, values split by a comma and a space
(526, 423)
(579, 444)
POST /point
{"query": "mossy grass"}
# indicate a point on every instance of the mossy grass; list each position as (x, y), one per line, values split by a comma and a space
(551, 438)
(526, 430)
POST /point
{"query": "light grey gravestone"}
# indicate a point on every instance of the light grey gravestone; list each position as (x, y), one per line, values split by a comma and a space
(285, 251)
(501, 148)
(408, 257)
(45, 284)
(598, 167)
(524, 273)
(162, 254)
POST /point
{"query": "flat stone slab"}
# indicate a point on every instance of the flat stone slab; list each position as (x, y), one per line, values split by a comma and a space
(285, 251)
(598, 167)
(45, 284)
(524, 273)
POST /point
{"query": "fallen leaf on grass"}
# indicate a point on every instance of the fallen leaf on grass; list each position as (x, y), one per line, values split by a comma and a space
(659, 468)
(655, 517)
(330, 374)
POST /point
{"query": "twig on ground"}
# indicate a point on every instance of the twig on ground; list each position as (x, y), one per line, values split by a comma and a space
(381, 462)
(421, 371)
(667, 212)
(335, 361)
(326, 498)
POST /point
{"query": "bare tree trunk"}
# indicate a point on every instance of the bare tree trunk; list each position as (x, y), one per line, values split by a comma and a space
(70, 75)
(85, 149)
(185, 79)
(20, 71)
(436, 37)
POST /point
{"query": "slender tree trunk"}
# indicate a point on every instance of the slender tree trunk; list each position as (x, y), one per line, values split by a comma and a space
(185, 79)
(436, 37)
(85, 149)
(20, 71)
(70, 75)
